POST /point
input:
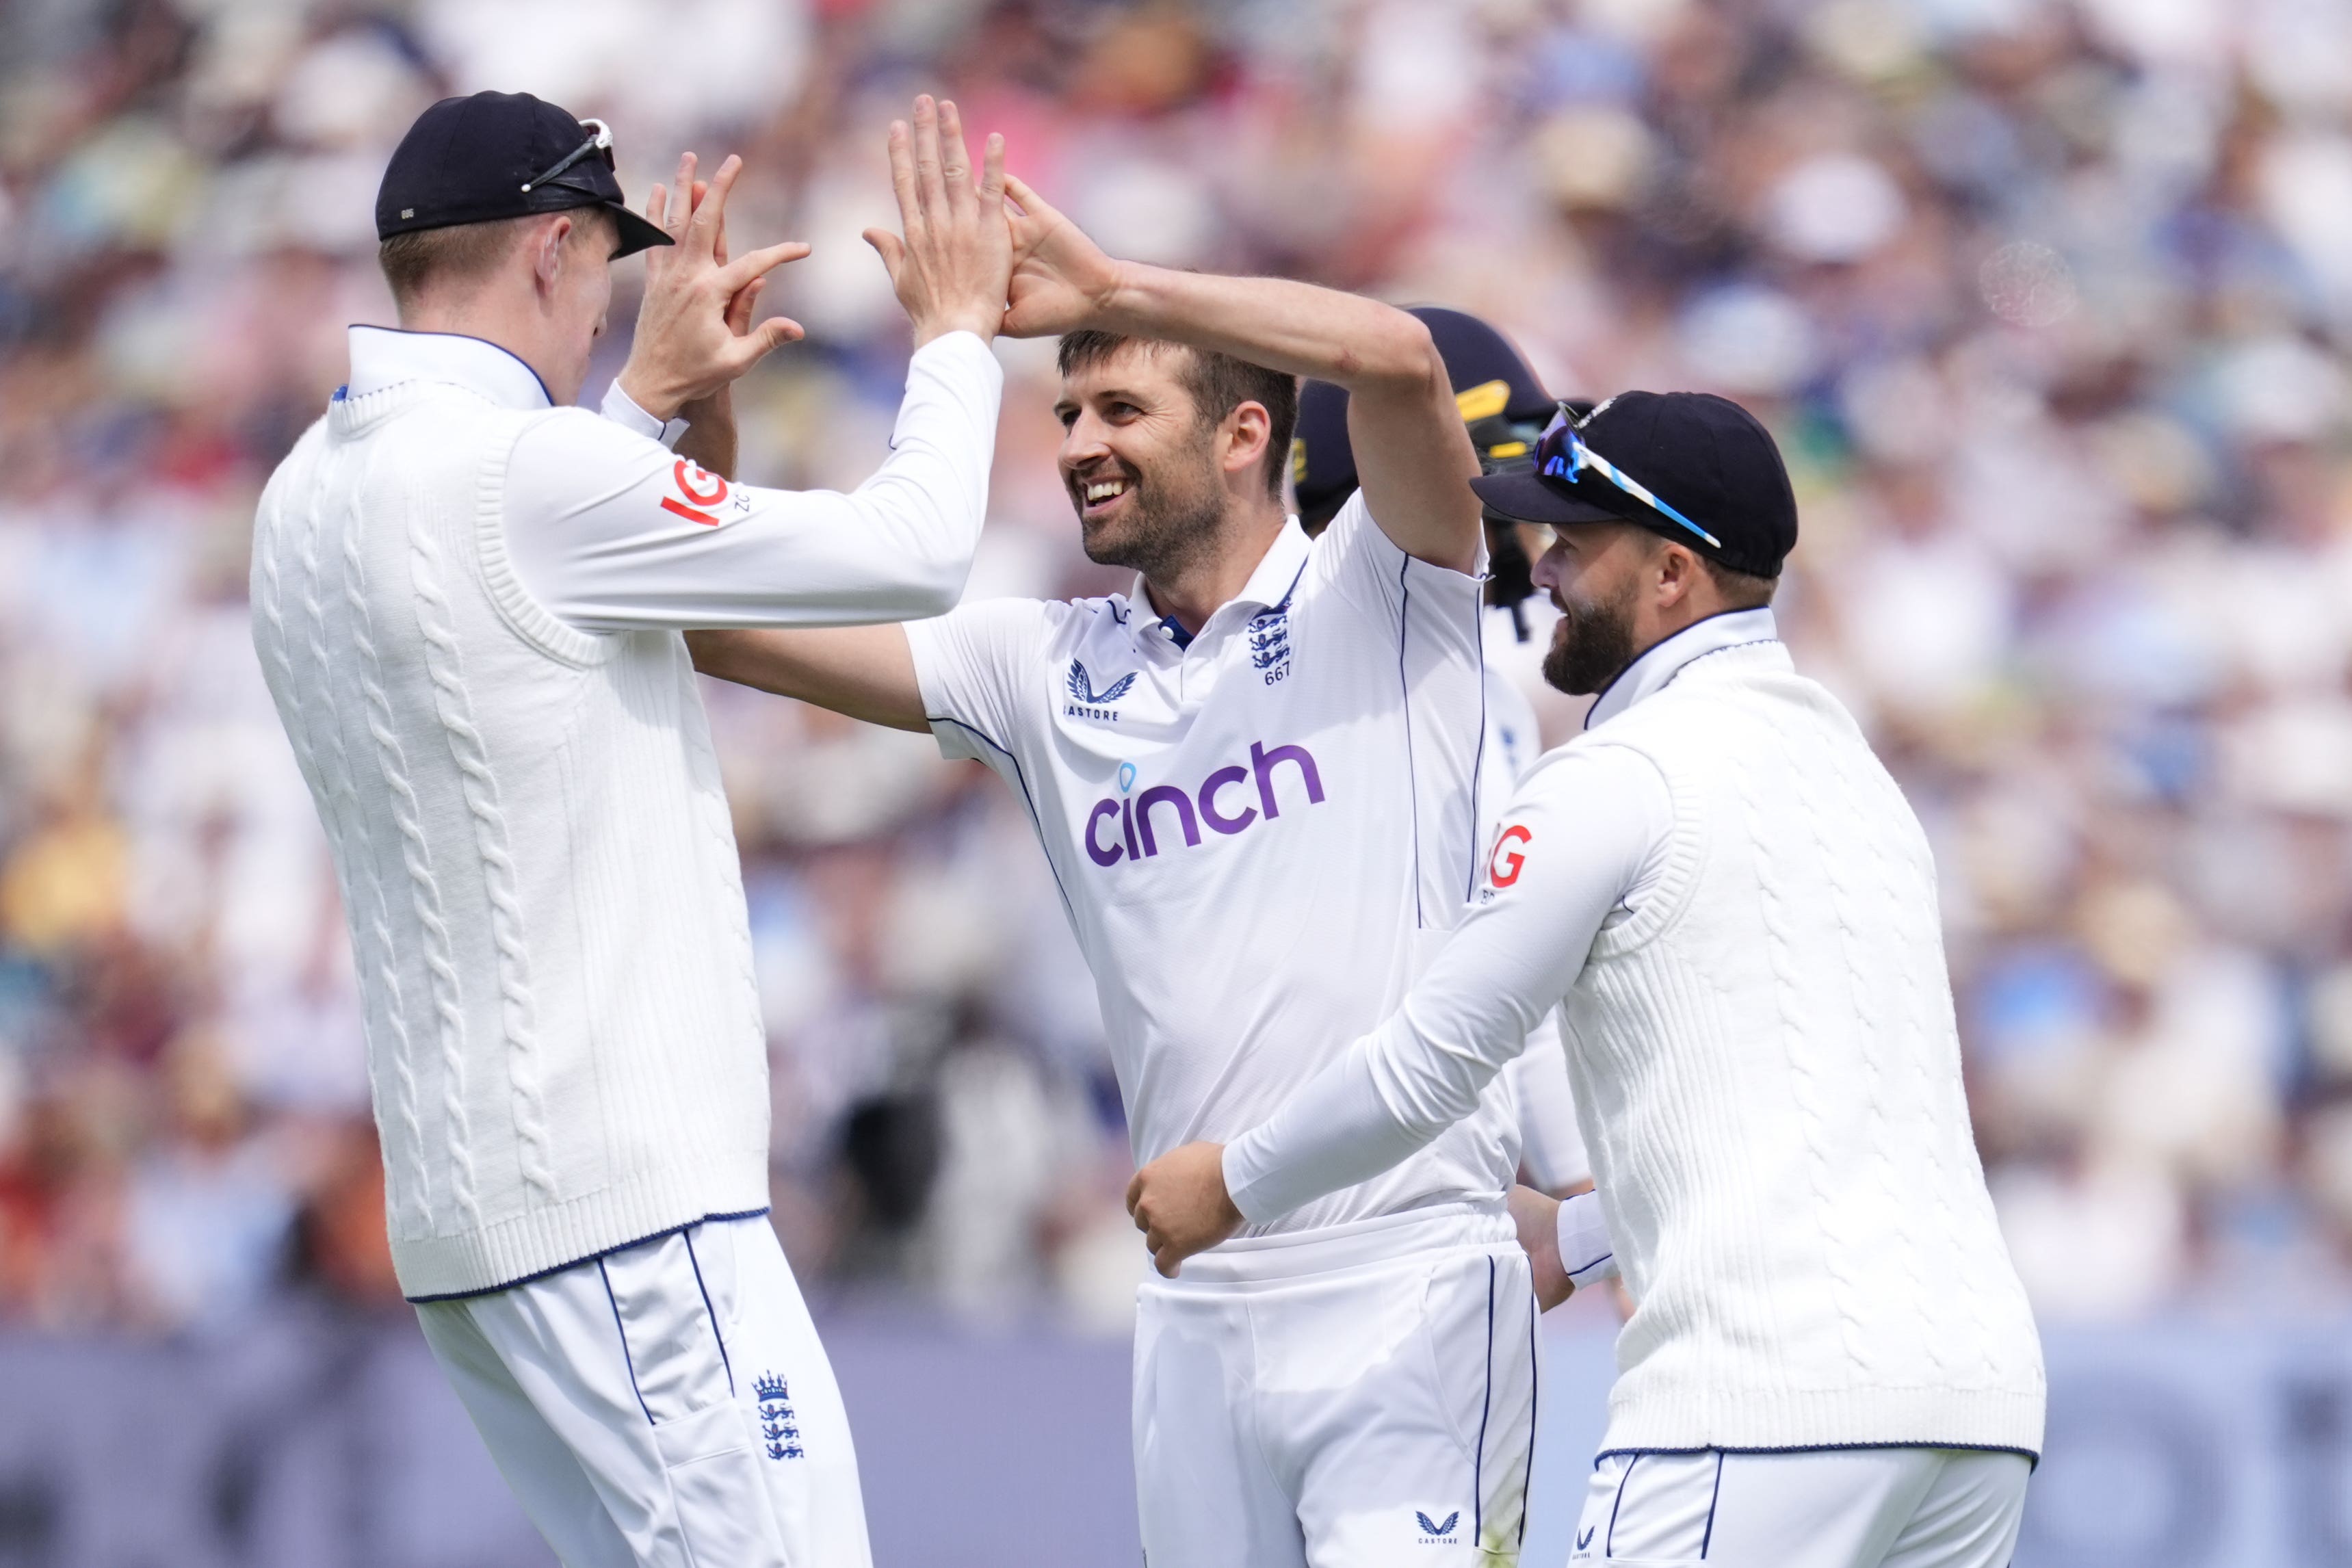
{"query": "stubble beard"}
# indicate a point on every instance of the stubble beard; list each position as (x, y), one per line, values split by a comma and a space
(1170, 525)
(1593, 643)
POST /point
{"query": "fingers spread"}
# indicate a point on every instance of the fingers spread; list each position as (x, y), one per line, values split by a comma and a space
(955, 162)
(902, 176)
(758, 263)
(893, 249)
(678, 200)
(929, 188)
(711, 213)
(992, 178)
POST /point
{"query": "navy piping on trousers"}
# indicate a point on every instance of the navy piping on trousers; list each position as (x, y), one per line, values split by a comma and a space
(1712, 1498)
(715, 1335)
(550, 1272)
(624, 1336)
(1486, 1403)
(1609, 1541)
(1535, 1389)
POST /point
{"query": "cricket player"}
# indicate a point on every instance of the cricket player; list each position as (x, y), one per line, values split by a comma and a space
(1504, 409)
(467, 597)
(1254, 774)
(1831, 1363)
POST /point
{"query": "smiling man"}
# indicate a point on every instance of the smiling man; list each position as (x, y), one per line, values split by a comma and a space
(1831, 1363)
(1253, 775)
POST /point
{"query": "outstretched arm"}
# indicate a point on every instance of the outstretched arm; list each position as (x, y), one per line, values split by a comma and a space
(1575, 841)
(1412, 453)
(865, 672)
(614, 536)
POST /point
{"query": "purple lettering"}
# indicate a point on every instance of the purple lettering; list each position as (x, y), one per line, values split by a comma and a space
(1173, 797)
(1262, 763)
(1209, 812)
(1102, 855)
(1127, 820)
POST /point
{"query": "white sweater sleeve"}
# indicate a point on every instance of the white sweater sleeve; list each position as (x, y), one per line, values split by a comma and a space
(1575, 843)
(612, 532)
(1552, 1148)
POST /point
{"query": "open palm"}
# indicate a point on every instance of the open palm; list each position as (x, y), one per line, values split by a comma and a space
(1061, 279)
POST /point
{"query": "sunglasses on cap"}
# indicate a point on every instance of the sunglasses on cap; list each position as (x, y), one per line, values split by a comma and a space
(1562, 454)
(600, 141)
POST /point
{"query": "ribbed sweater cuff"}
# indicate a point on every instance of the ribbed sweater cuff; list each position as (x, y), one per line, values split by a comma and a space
(507, 1250)
(1722, 1416)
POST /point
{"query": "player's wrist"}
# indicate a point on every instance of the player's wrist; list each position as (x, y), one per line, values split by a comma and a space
(979, 322)
(656, 394)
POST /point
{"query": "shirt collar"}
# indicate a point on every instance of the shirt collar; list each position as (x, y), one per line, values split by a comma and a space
(1657, 669)
(1269, 585)
(383, 357)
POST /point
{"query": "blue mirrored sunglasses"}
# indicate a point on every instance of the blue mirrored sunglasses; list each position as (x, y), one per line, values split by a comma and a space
(1562, 455)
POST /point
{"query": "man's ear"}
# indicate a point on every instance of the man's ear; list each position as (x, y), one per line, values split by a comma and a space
(1678, 572)
(1248, 430)
(546, 252)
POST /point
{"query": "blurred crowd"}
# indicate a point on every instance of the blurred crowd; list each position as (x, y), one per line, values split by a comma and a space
(2047, 300)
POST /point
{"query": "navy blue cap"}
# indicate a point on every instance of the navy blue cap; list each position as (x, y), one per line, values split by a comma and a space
(501, 156)
(1704, 456)
(1499, 397)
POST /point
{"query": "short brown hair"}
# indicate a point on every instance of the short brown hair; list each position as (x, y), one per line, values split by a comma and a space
(1218, 383)
(1740, 590)
(465, 252)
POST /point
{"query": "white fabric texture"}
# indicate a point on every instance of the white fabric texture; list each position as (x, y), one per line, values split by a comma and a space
(564, 1038)
(1364, 1397)
(1761, 1040)
(1585, 1250)
(1552, 1149)
(1852, 1508)
(665, 1406)
(1260, 836)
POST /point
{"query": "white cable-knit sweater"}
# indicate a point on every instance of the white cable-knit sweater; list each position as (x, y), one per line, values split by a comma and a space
(565, 1036)
(1739, 909)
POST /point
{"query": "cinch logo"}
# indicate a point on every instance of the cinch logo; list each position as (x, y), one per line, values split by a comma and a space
(1138, 832)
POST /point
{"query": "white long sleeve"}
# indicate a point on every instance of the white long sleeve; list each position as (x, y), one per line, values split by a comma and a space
(1584, 836)
(1552, 1149)
(613, 533)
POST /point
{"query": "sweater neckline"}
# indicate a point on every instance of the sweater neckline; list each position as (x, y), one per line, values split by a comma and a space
(1664, 659)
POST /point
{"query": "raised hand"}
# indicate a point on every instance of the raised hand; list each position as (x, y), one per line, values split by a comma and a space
(693, 332)
(1180, 1204)
(952, 269)
(1061, 279)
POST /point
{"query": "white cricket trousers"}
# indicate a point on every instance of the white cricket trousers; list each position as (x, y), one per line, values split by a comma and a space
(1352, 1397)
(1831, 1508)
(664, 1405)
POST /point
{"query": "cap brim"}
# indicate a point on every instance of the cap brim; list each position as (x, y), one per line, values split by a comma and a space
(637, 231)
(1525, 497)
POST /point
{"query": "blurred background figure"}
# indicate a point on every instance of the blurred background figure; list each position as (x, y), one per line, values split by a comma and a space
(2047, 300)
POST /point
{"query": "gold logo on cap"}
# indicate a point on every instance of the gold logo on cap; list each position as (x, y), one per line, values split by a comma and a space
(1482, 401)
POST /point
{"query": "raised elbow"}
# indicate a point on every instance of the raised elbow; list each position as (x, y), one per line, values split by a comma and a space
(1404, 354)
(939, 586)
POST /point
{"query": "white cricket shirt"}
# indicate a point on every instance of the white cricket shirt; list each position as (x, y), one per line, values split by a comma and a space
(1258, 831)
